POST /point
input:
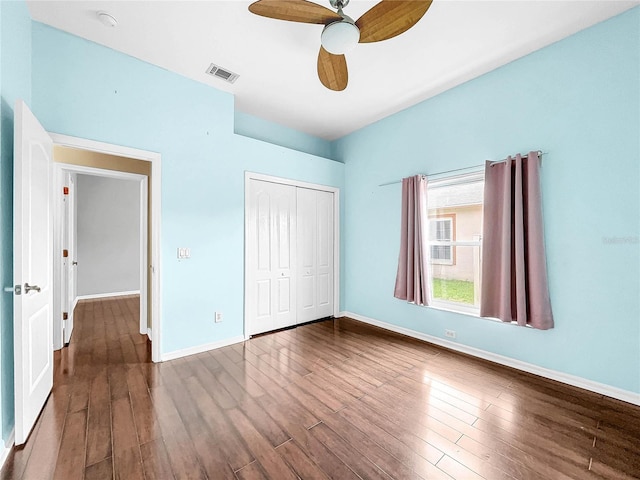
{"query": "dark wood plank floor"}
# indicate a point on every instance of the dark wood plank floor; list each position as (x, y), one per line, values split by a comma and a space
(335, 399)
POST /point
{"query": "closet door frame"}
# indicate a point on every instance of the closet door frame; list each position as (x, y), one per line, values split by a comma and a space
(248, 176)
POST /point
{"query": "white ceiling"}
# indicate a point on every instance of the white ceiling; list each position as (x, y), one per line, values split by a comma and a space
(454, 42)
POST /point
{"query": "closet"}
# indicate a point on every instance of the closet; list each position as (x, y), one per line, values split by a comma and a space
(289, 254)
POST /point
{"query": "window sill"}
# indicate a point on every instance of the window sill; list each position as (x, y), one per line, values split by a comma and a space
(456, 308)
(443, 307)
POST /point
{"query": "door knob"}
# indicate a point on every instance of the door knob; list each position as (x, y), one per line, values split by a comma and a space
(74, 263)
(28, 288)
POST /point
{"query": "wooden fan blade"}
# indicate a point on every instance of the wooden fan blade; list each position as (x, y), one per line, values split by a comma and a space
(390, 18)
(332, 70)
(294, 11)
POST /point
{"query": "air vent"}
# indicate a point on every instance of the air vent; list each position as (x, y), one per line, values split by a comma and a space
(222, 73)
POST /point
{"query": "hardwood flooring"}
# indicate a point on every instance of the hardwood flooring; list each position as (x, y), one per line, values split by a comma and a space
(335, 399)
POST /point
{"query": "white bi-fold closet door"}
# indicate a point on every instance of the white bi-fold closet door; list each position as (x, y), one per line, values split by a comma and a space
(290, 255)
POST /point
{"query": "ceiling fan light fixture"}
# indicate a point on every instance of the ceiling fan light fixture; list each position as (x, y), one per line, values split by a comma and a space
(340, 37)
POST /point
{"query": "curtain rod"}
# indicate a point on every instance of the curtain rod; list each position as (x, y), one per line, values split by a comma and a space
(460, 169)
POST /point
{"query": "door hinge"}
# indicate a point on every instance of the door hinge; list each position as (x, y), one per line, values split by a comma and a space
(65, 253)
(65, 316)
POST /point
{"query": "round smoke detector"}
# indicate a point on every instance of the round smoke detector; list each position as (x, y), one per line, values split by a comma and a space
(107, 19)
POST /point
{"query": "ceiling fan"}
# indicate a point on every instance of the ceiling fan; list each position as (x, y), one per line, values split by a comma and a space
(341, 33)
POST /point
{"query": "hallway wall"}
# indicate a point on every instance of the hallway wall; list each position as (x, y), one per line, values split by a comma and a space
(108, 225)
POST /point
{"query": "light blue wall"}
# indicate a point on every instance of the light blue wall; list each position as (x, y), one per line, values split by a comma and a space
(86, 90)
(15, 82)
(260, 129)
(578, 100)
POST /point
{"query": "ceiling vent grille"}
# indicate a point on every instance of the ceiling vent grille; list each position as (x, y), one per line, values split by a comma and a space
(221, 73)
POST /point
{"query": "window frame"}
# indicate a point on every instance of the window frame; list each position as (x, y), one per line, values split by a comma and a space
(447, 305)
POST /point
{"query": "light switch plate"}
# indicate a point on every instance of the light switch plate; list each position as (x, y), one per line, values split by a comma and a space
(183, 253)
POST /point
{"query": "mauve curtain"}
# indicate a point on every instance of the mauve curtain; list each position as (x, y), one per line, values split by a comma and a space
(412, 279)
(514, 271)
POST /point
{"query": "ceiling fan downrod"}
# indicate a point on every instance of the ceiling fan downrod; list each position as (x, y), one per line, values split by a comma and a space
(339, 4)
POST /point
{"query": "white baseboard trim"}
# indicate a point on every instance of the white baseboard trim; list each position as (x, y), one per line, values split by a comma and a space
(149, 334)
(608, 390)
(94, 296)
(185, 352)
(7, 447)
(75, 303)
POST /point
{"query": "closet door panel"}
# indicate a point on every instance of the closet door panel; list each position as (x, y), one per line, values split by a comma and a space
(306, 216)
(261, 223)
(283, 254)
(263, 231)
(271, 256)
(263, 299)
(315, 254)
(306, 293)
(325, 237)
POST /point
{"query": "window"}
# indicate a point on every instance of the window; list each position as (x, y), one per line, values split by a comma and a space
(455, 240)
(441, 230)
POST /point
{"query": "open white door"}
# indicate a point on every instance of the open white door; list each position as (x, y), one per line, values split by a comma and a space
(32, 270)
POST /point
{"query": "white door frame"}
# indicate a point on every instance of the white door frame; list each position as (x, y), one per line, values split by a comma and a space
(248, 176)
(60, 169)
(64, 206)
(154, 267)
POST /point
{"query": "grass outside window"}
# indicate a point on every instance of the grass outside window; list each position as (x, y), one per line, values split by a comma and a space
(459, 291)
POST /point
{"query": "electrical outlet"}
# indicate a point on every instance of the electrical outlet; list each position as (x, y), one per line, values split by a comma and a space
(450, 333)
(218, 317)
